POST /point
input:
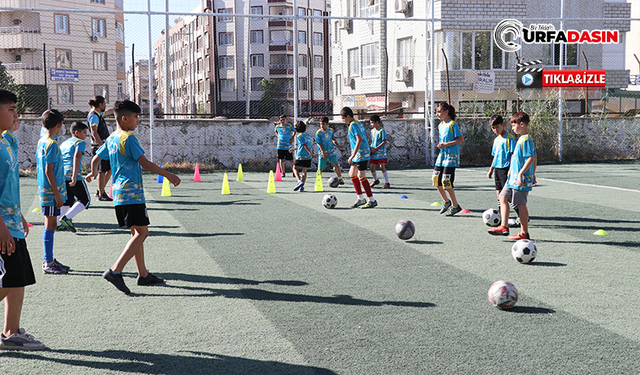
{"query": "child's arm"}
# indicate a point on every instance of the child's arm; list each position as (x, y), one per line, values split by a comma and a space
(151, 167)
(76, 165)
(306, 147)
(491, 169)
(52, 181)
(94, 168)
(356, 147)
(531, 160)
(25, 226)
(108, 112)
(6, 239)
(456, 141)
(337, 144)
(379, 146)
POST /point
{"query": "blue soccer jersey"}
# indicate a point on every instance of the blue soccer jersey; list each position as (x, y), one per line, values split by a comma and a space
(326, 140)
(10, 190)
(377, 137)
(284, 136)
(449, 156)
(502, 150)
(13, 141)
(356, 128)
(303, 139)
(524, 150)
(123, 151)
(43, 133)
(69, 149)
(48, 152)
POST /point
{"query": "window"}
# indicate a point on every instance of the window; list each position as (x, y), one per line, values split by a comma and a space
(369, 8)
(317, 62)
(471, 50)
(102, 90)
(120, 61)
(199, 65)
(405, 52)
(226, 39)
(280, 37)
(99, 28)
(256, 84)
(317, 39)
(302, 37)
(353, 56)
(338, 85)
(61, 23)
(225, 11)
(256, 37)
(552, 53)
(226, 85)
(257, 60)
(302, 12)
(303, 61)
(302, 84)
(226, 62)
(63, 58)
(99, 61)
(65, 94)
(256, 10)
(317, 13)
(120, 32)
(97, 1)
(370, 60)
(281, 61)
(317, 84)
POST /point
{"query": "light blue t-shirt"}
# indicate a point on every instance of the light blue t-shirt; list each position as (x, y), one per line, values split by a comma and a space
(284, 136)
(10, 189)
(377, 137)
(13, 141)
(43, 133)
(524, 150)
(303, 139)
(123, 151)
(449, 156)
(326, 140)
(69, 149)
(48, 152)
(356, 128)
(502, 150)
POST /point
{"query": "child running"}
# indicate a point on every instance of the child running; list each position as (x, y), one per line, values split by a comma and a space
(378, 151)
(521, 179)
(503, 146)
(326, 151)
(127, 157)
(448, 159)
(286, 134)
(303, 155)
(358, 160)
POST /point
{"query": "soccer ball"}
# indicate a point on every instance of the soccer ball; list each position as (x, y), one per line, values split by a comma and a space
(405, 229)
(491, 217)
(524, 251)
(503, 294)
(329, 201)
(334, 182)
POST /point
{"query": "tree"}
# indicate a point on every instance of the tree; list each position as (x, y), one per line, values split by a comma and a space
(32, 98)
(267, 106)
(6, 81)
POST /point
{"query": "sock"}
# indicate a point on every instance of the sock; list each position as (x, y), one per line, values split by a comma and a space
(75, 209)
(386, 177)
(361, 196)
(366, 186)
(47, 241)
(340, 178)
(375, 175)
(372, 199)
(63, 211)
(356, 184)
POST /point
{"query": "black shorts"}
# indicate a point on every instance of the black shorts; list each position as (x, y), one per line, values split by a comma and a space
(303, 163)
(15, 269)
(285, 154)
(362, 165)
(105, 165)
(500, 177)
(78, 192)
(131, 215)
(448, 174)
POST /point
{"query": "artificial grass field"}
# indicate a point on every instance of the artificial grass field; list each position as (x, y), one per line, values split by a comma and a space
(263, 283)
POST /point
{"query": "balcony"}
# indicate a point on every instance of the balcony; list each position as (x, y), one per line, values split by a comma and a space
(280, 45)
(25, 74)
(20, 37)
(20, 3)
(280, 69)
(22, 66)
(280, 22)
(280, 1)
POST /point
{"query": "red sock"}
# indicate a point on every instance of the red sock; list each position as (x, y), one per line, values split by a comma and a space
(366, 186)
(356, 184)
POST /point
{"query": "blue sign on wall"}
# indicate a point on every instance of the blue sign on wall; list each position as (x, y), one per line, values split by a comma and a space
(64, 75)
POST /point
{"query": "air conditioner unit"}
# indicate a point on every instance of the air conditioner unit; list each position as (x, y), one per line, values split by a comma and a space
(344, 24)
(93, 38)
(403, 6)
(349, 82)
(402, 74)
(408, 101)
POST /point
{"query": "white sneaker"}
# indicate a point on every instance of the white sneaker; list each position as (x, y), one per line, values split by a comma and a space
(20, 341)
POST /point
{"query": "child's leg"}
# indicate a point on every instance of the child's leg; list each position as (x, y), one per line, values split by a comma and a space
(373, 172)
(13, 298)
(132, 248)
(365, 185)
(75, 210)
(443, 195)
(452, 195)
(353, 174)
(50, 224)
(304, 175)
(281, 165)
(336, 168)
(504, 210)
(383, 168)
(63, 211)
(524, 217)
(296, 174)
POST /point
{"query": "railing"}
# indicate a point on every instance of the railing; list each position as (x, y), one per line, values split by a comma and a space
(280, 66)
(21, 66)
(19, 29)
(280, 43)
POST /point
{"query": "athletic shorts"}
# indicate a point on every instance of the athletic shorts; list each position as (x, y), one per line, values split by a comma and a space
(379, 161)
(130, 215)
(79, 192)
(50, 211)
(285, 154)
(105, 165)
(500, 177)
(303, 163)
(15, 269)
(515, 196)
(322, 163)
(362, 165)
(445, 174)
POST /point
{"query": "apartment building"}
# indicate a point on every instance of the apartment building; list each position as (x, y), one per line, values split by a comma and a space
(138, 84)
(384, 65)
(74, 55)
(217, 62)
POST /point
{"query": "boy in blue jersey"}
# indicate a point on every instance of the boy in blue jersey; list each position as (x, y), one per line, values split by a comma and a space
(286, 134)
(127, 158)
(16, 271)
(503, 146)
(326, 151)
(51, 186)
(521, 179)
(303, 155)
(378, 151)
(358, 160)
(77, 193)
(444, 172)
(99, 133)
(11, 138)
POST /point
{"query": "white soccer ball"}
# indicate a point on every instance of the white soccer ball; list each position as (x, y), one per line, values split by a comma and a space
(329, 201)
(491, 217)
(503, 294)
(524, 251)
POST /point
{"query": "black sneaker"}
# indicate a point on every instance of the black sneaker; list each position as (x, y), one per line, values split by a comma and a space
(376, 182)
(97, 193)
(150, 279)
(370, 204)
(105, 198)
(55, 261)
(67, 223)
(115, 278)
(340, 182)
(454, 210)
(359, 202)
(445, 207)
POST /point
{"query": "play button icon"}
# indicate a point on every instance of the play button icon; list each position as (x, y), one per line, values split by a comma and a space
(529, 80)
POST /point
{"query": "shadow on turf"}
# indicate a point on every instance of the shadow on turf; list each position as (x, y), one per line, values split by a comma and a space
(547, 264)
(93, 228)
(530, 310)
(227, 280)
(422, 242)
(110, 361)
(583, 219)
(630, 244)
(208, 203)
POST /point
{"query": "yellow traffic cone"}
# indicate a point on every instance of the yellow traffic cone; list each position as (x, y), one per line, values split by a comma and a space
(240, 174)
(319, 181)
(225, 186)
(271, 189)
(166, 189)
